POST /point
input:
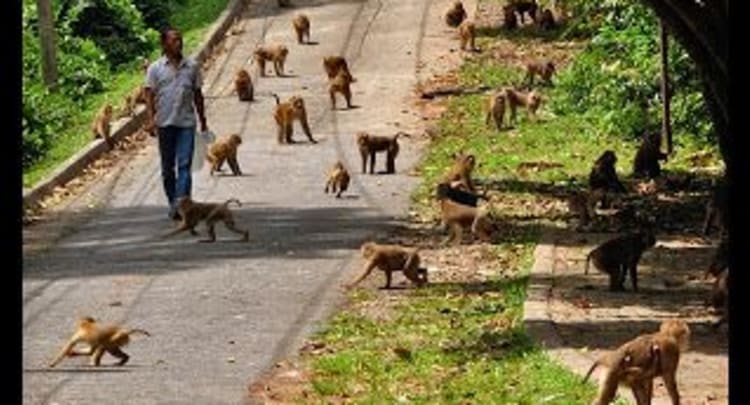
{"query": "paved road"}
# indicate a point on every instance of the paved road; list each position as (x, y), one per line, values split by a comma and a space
(220, 314)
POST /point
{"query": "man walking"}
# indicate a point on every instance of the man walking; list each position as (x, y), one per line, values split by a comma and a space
(173, 88)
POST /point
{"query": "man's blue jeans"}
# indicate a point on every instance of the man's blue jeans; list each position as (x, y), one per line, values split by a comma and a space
(176, 149)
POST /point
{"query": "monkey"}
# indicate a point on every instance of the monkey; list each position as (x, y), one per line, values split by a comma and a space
(583, 205)
(546, 20)
(510, 22)
(301, 26)
(225, 149)
(101, 339)
(545, 70)
(138, 95)
(285, 114)
(720, 261)
(102, 125)
(531, 100)
(717, 209)
(338, 179)
(637, 362)
(646, 161)
(369, 145)
(243, 85)
(603, 176)
(523, 6)
(459, 175)
(390, 258)
(619, 256)
(341, 84)
(496, 109)
(467, 34)
(273, 53)
(193, 212)
(334, 64)
(456, 217)
(455, 15)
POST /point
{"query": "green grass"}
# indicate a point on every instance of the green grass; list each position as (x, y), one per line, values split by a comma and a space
(193, 19)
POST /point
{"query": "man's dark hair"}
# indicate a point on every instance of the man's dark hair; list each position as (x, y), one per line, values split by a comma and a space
(164, 31)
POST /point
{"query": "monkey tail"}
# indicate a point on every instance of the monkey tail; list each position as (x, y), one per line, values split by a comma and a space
(138, 330)
(277, 98)
(232, 200)
(591, 370)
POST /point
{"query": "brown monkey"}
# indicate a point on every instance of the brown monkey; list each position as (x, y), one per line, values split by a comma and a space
(225, 149)
(467, 33)
(390, 258)
(546, 20)
(637, 362)
(341, 84)
(510, 22)
(455, 15)
(285, 114)
(646, 161)
(545, 70)
(496, 109)
(243, 85)
(273, 53)
(603, 176)
(369, 145)
(459, 175)
(138, 95)
(104, 338)
(102, 125)
(717, 209)
(301, 26)
(531, 100)
(338, 179)
(456, 217)
(524, 6)
(334, 64)
(619, 256)
(193, 212)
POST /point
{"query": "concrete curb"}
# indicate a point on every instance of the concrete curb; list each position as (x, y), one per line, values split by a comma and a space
(538, 321)
(125, 127)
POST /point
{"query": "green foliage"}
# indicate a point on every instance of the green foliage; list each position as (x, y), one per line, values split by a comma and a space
(116, 26)
(616, 81)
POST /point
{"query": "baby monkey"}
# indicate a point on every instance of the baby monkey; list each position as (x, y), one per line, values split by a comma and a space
(338, 179)
(531, 101)
(456, 217)
(301, 26)
(341, 83)
(102, 125)
(101, 339)
(543, 69)
(193, 213)
(390, 258)
(496, 109)
(225, 149)
(467, 32)
(636, 363)
(243, 85)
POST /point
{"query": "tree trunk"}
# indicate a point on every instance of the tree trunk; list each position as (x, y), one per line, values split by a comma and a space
(665, 93)
(47, 38)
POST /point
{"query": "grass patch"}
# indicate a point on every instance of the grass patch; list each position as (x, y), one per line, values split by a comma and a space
(193, 19)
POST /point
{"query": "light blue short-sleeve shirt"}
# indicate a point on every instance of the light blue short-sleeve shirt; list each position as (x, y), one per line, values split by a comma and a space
(174, 89)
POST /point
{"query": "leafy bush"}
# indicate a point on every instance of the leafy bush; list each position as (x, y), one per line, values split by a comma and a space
(155, 12)
(116, 26)
(616, 81)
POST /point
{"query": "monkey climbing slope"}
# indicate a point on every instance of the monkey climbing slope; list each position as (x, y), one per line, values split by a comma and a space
(220, 313)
